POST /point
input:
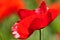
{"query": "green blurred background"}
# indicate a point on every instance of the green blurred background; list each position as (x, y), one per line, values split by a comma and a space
(51, 32)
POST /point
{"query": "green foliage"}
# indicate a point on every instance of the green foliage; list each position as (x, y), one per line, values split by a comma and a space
(5, 27)
(31, 4)
(55, 25)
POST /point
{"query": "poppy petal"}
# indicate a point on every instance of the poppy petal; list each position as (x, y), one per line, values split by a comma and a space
(25, 13)
(43, 7)
(52, 14)
(23, 26)
(44, 20)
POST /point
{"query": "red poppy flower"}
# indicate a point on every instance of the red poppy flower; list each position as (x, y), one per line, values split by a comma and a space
(32, 20)
(8, 6)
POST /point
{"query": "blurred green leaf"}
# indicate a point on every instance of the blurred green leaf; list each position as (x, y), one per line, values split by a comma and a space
(35, 36)
(55, 25)
(47, 35)
(5, 28)
(31, 4)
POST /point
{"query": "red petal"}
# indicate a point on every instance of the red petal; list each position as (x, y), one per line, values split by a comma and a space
(39, 22)
(44, 20)
(25, 13)
(23, 32)
(23, 26)
(52, 14)
(43, 7)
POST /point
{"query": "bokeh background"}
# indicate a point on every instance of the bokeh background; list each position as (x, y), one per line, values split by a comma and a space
(51, 32)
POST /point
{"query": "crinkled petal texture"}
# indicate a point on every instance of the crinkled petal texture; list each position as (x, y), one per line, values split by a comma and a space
(32, 20)
(44, 19)
(23, 13)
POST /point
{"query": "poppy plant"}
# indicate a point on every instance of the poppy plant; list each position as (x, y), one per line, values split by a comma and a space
(31, 20)
(8, 6)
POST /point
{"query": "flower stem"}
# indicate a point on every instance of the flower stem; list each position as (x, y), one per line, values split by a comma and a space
(21, 39)
(40, 34)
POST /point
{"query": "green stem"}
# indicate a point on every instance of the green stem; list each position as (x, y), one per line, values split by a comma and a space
(40, 34)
